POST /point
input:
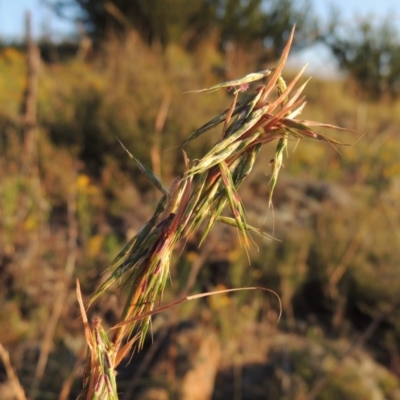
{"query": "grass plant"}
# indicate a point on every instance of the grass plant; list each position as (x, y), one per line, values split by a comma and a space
(195, 201)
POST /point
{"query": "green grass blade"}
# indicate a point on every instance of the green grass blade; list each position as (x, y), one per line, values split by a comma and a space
(146, 171)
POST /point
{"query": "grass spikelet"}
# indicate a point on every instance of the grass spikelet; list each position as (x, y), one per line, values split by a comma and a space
(276, 165)
(255, 76)
(277, 162)
(99, 376)
(235, 203)
(232, 222)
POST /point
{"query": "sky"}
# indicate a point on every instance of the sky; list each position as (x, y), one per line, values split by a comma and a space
(12, 16)
(320, 61)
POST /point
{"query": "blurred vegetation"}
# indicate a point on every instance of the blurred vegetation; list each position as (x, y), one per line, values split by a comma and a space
(336, 212)
(265, 25)
(369, 52)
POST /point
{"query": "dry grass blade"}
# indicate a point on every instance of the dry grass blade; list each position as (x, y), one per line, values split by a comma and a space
(281, 64)
(284, 91)
(294, 113)
(322, 125)
(11, 375)
(304, 131)
(196, 297)
(229, 114)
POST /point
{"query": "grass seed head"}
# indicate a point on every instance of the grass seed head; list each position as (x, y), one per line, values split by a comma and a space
(201, 194)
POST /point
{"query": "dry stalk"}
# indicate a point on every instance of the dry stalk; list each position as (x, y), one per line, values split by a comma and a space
(11, 375)
(62, 286)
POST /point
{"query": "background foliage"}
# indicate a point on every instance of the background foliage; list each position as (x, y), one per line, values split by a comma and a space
(336, 214)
